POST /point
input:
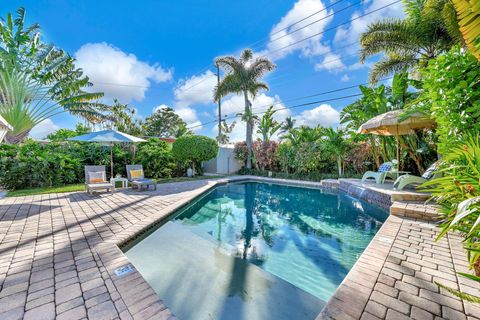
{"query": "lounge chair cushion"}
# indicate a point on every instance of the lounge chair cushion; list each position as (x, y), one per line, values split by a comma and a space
(430, 171)
(95, 177)
(136, 174)
(385, 167)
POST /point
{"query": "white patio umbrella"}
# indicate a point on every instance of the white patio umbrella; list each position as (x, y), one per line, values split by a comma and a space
(110, 137)
(4, 128)
(389, 124)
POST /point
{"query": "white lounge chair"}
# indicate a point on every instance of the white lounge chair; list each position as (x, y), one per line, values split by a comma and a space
(137, 178)
(409, 179)
(96, 179)
(384, 171)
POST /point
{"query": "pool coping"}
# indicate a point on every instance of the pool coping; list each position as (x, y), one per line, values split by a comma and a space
(113, 258)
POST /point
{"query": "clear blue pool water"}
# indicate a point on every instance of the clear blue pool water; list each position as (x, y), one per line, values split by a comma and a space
(256, 251)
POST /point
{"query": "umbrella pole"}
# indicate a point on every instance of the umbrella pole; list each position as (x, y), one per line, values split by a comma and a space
(398, 153)
(111, 160)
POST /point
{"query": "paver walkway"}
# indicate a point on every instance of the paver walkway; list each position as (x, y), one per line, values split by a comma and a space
(58, 256)
(57, 253)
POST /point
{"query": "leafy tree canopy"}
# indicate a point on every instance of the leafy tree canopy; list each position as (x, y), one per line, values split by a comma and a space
(194, 148)
(165, 123)
(64, 134)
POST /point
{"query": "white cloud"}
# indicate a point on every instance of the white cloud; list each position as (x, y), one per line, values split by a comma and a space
(345, 78)
(324, 115)
(189, 115)
(44, 128)
(279, 37)
(331, 62)
(195, 90)
(162, 106)
(351, 33)
(118, 74)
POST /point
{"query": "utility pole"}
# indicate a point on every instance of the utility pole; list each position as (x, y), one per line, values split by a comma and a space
(219, 105)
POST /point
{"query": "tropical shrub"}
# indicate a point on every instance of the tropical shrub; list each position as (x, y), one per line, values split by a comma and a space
(358, 158)
(156, 159)
(286, 155)
(452, 93)
(35, 165)
(240, 151)
(32, 164)
(194, 149)
(265, 154)
(458, 194)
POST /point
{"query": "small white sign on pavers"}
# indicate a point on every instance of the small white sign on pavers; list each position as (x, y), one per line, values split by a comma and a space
(126, 269)
(385, 240)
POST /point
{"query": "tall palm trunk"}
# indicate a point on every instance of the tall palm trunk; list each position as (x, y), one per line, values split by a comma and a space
(248, 138)
(339, 165)
(16, 138)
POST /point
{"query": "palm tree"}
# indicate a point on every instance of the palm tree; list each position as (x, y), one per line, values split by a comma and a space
(226, 129)
(24, 103)
(287, 125)
(337, 145)
(123, 118)
(426, 32)
(243, 77)
(468, 15)
(267, 126)
(304, 134)
(21, 49)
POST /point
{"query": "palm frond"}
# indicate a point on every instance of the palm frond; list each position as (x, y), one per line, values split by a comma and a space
(391, 64)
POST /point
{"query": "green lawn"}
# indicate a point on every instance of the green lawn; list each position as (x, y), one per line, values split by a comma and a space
(60, 189)
(81, 187)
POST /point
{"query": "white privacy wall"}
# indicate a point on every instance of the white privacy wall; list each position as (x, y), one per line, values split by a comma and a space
(224, 163)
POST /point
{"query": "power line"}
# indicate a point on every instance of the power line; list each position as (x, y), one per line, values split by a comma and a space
(301, 98)
(282, 48)
(333, 28)
(284, 108)
(293, 24)
(320, 93)
(318, 20)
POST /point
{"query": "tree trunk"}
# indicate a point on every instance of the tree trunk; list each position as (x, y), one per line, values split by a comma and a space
(413, 155)
(374, 151)
(476, 267)
(339, 163)
(16, 138)
(248, 138)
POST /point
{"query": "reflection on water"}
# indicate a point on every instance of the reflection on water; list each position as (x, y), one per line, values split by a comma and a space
(308, 237)
(256, 251)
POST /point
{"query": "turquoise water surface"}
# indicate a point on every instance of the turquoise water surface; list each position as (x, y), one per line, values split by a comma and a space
(256, 251)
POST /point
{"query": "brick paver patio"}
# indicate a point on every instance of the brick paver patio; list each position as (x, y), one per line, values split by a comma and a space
(59, 253)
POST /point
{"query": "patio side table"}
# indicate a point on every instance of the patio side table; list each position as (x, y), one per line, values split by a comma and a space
(124, 182)
(395, 174)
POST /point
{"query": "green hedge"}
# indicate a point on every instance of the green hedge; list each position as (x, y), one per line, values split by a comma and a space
(32, 164)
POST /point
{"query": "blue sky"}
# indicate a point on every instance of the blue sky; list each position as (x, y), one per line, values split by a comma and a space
(155, 53)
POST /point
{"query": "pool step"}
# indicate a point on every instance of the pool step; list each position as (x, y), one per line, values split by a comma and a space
(415, 210)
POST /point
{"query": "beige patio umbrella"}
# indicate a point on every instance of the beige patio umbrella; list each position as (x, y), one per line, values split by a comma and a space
(389, 124)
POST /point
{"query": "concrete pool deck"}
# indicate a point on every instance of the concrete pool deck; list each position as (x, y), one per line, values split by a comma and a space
(59, 258)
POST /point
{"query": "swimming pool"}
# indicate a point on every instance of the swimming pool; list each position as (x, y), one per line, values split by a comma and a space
(256, 251)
